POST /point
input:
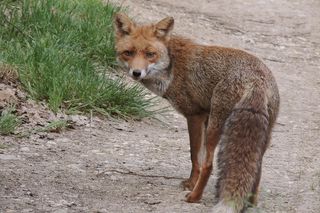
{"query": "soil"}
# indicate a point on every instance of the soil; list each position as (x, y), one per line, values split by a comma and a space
(124, 166)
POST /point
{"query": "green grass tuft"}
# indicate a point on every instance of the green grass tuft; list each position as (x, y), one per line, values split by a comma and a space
(55, 126)
(8, 122)
(57, 46)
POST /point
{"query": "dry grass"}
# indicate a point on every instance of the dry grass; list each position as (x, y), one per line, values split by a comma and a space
(8, 74)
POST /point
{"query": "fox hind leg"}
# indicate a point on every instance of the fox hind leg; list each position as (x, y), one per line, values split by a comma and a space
(206, 166)
(255, 190)
(219, 111)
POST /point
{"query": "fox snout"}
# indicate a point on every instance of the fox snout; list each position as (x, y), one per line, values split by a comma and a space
(137, 74)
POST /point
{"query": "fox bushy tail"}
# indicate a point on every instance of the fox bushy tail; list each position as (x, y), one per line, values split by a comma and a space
(243, 143)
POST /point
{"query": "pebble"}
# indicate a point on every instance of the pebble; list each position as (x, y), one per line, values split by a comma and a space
(61, 211)
(113, 178)
(50, 137)
(27, 210)
(102, 210)
(62, 140)
(51, 143)
(25, 149)
(8, 157)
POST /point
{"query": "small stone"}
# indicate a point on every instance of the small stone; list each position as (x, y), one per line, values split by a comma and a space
(71, 204)
(50, 137)
(62, 140)
(61, 211)
(27, 210)
(7, 96)
(42, 135)
(79, 120)
(102, 211)
(30, 194)
(25, 149)
(113, 178)
(8, 157)
(51, 143)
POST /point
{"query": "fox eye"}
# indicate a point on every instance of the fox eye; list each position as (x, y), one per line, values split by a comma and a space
(150, 54)
(128, 53)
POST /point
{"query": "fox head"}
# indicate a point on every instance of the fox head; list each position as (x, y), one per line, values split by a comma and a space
(142, 50)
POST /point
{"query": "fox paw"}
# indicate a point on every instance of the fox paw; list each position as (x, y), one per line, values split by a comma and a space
(192, 197)
(187, 184)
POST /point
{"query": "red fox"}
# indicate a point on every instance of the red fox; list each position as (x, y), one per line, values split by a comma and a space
(229, 97)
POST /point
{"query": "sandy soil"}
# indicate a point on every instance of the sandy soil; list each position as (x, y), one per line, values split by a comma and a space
(119, 166)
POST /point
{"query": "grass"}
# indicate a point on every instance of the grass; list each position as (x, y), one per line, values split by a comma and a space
(3, 146)
(57, 47)
(54, 126)
(8, 121)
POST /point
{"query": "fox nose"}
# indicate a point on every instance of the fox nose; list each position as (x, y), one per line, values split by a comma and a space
(136, 73)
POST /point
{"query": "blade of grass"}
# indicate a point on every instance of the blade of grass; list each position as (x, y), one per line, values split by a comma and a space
(8, 121)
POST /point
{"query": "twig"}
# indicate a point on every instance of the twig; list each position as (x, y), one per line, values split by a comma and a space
(143, 175)
(274, 60)
(281, 124)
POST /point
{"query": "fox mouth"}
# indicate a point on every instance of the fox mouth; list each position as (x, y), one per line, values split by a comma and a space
(136, 78)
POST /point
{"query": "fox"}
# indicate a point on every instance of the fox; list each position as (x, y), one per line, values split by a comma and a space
(229, 98)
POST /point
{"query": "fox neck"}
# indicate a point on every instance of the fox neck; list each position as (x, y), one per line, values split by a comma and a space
(160, 83)
(157, 86)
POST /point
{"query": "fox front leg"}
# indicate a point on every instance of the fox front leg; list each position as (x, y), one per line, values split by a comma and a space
(196, 128)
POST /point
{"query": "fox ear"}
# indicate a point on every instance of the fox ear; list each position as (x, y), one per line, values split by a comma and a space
(164, 27)
(122, 24)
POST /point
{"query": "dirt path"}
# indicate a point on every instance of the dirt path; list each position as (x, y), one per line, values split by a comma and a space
(117, 166)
